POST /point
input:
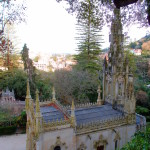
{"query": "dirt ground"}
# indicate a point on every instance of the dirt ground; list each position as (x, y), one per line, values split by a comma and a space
(13, 142)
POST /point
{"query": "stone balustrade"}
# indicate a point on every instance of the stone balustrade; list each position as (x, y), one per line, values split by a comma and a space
(54, 125)
(85, 105)
(104, 124)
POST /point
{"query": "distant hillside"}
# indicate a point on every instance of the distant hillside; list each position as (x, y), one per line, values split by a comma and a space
(143, 43)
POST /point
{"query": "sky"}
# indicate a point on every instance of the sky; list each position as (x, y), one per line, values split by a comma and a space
(50, 29)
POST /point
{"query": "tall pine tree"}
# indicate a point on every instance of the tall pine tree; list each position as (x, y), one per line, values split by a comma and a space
(28, 67)
(89, 37)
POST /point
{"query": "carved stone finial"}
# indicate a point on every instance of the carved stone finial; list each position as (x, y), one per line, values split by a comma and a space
(53, 93)
(28, 90)
(38, 116)
(28, 96)
(99, 100)
(37, 101)
(72, 106)
(99, 95)
(73, 119)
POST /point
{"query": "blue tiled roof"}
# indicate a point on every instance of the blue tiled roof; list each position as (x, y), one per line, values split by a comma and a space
(92, 114)
(85, 115)
(50, 113)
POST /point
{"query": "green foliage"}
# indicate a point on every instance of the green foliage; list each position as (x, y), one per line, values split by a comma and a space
(140, 141)
(132, 61)
(7, 130)
(17, 79)
(88, 37)
(132, 45)
(14, 79)
(20, 121)
(75, 84)
(142, 110)
(25, 56)
(9, 124)
(29, 68)
(5, 116)
(44, 84)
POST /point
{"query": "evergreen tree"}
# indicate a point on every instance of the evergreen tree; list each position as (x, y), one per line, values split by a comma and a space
(88, 36)
(25, 56)
(28, 67)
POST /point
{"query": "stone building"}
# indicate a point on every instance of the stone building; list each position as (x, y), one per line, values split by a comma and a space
(8, 95)
(8, 101)
(107, 124)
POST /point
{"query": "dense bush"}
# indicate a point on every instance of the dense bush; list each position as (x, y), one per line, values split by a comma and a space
(16, 79)
(140, 141)
(20, 121)
(7, 130)
(9, 125)
(78, 85)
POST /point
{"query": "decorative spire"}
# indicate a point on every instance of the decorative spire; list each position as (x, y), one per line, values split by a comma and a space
(73, 120)
(72, 105)
(38, 116)
(99, 95)
(28, 97)
(99, 100)
(28, 90)
(53, 93)
(116, 41)
(37, 102)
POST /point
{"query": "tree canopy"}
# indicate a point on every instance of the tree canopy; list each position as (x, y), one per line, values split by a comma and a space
(132, 11)
(89, 37)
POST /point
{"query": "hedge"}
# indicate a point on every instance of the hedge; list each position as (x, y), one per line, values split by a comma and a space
(8, 130)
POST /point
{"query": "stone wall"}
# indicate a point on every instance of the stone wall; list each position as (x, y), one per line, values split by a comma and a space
(106, 137)
(67, 140)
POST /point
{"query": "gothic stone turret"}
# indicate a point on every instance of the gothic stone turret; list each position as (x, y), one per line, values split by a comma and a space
(116, 77)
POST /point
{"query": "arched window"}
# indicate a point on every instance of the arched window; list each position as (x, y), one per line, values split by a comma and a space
(116, 145)
(57, 148)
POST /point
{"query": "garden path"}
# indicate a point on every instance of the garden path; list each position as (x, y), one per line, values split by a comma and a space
(13, 142)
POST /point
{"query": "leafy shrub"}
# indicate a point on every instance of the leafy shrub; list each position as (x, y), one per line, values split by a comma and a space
(140, 141)
(142, 98)
(7, 130)
(142, 110)
(20, 121)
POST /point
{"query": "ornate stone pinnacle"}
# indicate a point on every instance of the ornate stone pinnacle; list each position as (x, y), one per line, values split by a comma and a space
(72, 106)
(53, 93)
(99, 101)
(73, 120)
(28, 90)
(37, 101)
